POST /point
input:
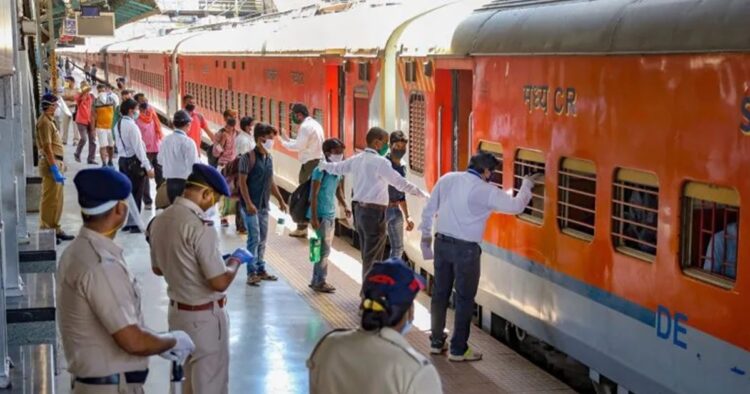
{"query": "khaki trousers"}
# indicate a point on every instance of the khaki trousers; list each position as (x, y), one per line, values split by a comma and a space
(51, 203)
(124, 388)
(207, 369)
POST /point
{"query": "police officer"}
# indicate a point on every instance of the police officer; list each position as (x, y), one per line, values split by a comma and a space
(185, 250)
(105, 341)
(393, 365)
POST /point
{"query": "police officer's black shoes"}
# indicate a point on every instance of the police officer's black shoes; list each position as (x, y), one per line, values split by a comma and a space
(62, 237)
(438, 345)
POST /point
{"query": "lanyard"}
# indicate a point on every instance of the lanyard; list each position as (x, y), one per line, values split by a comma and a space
(475, 172)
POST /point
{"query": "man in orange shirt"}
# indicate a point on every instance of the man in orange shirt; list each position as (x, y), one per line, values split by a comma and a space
(85, 124)
(198, 124)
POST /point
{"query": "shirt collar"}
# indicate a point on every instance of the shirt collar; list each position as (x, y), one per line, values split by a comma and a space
(372, 151)
(180, 132)
(394, 336)
(189, 205)
(100, 242)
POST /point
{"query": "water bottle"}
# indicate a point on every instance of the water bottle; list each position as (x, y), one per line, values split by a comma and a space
(315, 245)
(280, 225)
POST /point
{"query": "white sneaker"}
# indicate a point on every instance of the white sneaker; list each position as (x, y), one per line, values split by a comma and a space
(298, 233)
(439, 350)
(470, 355)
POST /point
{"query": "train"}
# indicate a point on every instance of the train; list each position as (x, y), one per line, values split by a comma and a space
(637, 112)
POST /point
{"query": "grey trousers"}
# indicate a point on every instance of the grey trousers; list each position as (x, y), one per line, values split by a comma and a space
(370, 224)
(86, 135)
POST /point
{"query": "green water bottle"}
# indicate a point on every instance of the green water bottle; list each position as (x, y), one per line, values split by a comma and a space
(315, 245)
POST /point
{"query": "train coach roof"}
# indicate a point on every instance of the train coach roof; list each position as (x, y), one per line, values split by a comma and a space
(432, 33)
(162, 44)
(248, 39)
(605, 26)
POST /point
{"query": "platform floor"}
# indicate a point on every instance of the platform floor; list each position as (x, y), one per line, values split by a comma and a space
(274, 327)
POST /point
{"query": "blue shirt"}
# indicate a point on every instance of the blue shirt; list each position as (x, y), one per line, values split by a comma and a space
(721, 253)
(394, 194)
(326, 194)
(259, 177)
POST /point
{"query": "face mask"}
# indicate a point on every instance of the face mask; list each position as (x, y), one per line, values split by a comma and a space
(296, 120)
(398, 153)
(190, 107)
(136, 114)
(383, 150)
(335, 158)
(406, 328)
(231, 122)
(268, 144)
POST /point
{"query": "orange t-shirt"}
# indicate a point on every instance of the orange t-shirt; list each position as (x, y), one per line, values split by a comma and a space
(196, 129)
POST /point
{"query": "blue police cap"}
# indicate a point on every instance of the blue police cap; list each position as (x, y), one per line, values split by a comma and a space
(99, 189)
(393, 280)
(210, 177)
(49, 99)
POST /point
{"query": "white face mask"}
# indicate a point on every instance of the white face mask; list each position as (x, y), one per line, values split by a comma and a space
(335, 158)
(136, 114)
(268, 144)
(406, 328)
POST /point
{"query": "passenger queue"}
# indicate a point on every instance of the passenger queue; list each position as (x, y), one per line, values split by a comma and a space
(100, 299)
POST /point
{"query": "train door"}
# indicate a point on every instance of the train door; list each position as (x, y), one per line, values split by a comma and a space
(341, 101)
(361, 116)
(453, 93)
(335, 96)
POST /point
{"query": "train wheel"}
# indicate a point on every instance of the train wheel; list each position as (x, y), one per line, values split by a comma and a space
(510, 337)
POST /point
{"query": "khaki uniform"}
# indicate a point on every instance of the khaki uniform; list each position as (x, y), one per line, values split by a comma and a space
(97, 296)
(362, 362)
(51, 204)
(185, 248)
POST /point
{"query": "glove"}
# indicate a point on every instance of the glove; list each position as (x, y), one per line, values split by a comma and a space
(242, 255)
(56, 174)
(182, 349)
(533, 179)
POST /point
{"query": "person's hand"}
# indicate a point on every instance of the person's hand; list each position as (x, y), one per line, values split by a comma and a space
(423, 194)
(283, 207)
(56, 174)
(151, 174)
(535, 178)
(242, 255)
(348, 213)
(183, 347)
(315, 223)
(251, 209)
(409, 224)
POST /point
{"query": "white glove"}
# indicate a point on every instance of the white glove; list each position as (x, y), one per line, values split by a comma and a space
(182, 349)
(533, 179)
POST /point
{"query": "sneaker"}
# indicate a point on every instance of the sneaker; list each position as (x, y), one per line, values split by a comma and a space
(469, 355)
(147, 205)
(438, 348)
(298, 233)
(324, 288)
(92, 162)
(267, 276)
(77, 157)
(253, 280)
(64, 237)
(110, 164)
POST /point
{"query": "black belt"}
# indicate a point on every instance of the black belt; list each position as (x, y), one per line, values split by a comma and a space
(369, 205)
(59, 158)
(452, 240)
(134, 377)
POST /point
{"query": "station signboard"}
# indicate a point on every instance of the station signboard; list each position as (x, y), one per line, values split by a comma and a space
(92, 23)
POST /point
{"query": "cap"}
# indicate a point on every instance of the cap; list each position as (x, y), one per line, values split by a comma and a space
(210, 177)
(182, 116)
(393, 280)
(49, 98)
(85, 86)
(99, 189)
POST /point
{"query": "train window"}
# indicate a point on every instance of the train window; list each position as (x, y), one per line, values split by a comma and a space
(263, 109)
(272, 113)
(225, 64)
(282, 116)
(293, 127)
(234, 65)
(318, 115)
(255, 109)
(530, 162)
(497, 150)
(635, 213)
(417, 114)
(217, 64)
(710, 231)
(243, 65)
(576, 203)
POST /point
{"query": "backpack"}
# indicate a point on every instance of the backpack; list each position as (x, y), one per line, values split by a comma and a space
(299, 201)
(231, 173)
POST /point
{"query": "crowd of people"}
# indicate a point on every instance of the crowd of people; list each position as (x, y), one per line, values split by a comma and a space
(100, 304)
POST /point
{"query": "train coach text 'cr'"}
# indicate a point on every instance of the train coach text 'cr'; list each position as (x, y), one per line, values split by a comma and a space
(537, 97)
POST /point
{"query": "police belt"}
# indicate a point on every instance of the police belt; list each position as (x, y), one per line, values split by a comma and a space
(196, 308)
(134, 377)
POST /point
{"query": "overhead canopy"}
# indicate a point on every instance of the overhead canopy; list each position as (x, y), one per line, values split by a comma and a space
(126, 11)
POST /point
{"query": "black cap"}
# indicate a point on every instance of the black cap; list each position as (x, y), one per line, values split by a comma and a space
(182, 117)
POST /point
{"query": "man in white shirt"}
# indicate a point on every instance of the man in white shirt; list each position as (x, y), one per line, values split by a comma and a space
(177, 154)
(462, 202)
(133, 161)
(309, 144)
(372, 174)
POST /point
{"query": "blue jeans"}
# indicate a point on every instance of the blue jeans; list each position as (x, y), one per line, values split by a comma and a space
(456, 263)
(320, 269)
(394, 220)
(257, 233)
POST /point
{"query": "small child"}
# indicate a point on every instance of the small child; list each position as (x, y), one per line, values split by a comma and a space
(325, 188)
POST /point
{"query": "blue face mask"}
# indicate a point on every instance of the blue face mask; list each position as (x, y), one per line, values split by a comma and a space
(406, 328)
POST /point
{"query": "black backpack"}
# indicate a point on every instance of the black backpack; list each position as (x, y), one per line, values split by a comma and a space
(299, 201)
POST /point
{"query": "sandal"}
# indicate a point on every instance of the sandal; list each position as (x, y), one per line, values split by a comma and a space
(267, 276)
(324, 288)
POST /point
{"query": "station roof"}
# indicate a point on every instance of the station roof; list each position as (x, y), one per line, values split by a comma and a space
(126, 11)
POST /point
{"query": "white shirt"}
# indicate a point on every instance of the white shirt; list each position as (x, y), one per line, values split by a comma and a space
(463, 202)
(177, 154)
(309, 142)
(243, 143)
(129, 141)
(372, 175)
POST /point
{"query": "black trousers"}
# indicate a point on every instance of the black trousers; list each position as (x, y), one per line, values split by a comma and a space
(136, 177)
(370, 223)
(175, 187)
(158, 177)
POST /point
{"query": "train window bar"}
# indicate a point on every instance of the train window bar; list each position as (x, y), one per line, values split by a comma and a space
(635, 213)
(710, 233)
(282, 116)
(293, 127)
(318, 115)
(255, 109)
(497, 150)
(417, 120)
(530, 162)
(263, 117)
(248, 107)
(272, 116)
(576, 190)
